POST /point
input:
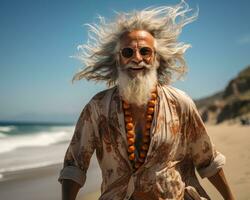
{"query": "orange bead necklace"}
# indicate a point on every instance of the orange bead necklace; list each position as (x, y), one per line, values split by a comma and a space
(130, 131)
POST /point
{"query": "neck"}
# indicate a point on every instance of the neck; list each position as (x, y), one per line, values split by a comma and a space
(138, 108)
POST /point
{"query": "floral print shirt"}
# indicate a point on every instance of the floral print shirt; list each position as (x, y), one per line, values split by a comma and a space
(179, 145)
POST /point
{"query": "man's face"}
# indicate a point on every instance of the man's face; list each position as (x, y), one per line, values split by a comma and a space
(137, 74)
(137, 52)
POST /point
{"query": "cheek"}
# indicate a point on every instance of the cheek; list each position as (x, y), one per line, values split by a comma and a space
(149, 60)
(123, 61)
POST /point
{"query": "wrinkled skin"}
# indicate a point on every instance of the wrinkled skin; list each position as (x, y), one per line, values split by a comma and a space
(135, 40)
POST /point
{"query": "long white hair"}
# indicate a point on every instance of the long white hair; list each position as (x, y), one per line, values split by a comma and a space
(100, 55)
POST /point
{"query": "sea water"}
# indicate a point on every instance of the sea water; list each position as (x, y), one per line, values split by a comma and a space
(32, 145)
(28, 146)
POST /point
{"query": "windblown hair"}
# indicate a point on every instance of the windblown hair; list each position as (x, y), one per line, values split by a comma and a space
(100, 54)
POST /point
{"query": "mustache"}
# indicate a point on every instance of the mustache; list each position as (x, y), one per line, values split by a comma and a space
(134, 65)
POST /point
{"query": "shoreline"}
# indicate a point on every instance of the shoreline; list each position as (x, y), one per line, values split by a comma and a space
(42, 184)
(38, 183)
(26, 172)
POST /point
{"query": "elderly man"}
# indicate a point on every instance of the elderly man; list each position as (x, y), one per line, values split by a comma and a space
(148, 135)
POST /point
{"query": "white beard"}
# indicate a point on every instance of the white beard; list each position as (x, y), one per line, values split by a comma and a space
(137, 90)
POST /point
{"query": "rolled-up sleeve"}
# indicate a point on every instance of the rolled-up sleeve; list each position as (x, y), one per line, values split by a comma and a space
(81, 148)
(207, 160)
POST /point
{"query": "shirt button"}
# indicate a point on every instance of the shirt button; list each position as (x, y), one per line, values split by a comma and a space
(127, 197)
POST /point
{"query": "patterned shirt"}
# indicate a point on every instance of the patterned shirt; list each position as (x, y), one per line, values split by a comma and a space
(179, 145)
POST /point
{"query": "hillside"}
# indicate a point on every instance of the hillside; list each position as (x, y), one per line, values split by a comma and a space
(231, 104)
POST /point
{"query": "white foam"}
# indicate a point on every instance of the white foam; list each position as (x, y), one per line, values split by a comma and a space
(6, 128)
(2, 135)
(27, 166)
(33, 140)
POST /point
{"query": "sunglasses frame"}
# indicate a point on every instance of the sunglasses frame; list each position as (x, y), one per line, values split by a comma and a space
(134, 50)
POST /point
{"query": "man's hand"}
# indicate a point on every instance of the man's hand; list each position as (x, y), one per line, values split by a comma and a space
(69, 189)
(220, 182)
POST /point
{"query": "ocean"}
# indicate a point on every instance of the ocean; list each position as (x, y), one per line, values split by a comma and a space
(32, 145)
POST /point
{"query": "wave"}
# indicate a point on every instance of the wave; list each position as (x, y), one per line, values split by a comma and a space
(7, 128)
(39, 139)
(8, 170)
(2, 135)
(29, 166)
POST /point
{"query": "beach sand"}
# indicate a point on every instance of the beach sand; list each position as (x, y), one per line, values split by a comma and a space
(41, 184)
(234, 142)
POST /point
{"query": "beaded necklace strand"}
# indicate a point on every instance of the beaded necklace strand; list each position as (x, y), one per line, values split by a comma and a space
(130, 131)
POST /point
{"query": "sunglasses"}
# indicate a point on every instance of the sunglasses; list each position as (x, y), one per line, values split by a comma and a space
(145, 52)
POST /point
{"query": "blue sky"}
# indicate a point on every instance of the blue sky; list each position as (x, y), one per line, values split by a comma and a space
(37, 38)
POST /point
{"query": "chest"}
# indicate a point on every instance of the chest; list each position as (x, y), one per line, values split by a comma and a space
(139, 120)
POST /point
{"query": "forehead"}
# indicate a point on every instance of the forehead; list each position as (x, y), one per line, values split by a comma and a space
(137, 38)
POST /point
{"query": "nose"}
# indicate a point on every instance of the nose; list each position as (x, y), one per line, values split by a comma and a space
(137, 58)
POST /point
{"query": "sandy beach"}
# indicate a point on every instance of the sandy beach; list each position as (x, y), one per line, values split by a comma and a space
(234, 142)
(41, 184)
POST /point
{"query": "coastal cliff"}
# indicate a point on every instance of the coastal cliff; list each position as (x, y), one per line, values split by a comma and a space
(232, 104)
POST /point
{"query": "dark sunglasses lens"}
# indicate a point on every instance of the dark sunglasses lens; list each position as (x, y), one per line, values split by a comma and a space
(146, 51)
(127, 52)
